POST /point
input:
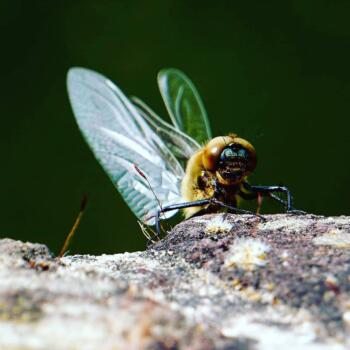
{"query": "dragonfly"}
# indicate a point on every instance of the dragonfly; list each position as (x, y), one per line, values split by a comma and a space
(159, 167)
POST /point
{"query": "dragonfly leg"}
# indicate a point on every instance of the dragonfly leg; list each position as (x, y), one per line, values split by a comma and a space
(198, 204)
(269, 191)
(178, 206)
(235, 209)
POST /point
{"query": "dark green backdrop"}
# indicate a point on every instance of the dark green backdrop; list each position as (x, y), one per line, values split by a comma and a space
(276, 72)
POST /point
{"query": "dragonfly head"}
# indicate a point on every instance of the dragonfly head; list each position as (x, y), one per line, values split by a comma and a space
(232, 159)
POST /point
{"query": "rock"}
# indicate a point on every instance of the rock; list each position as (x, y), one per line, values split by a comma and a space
(214, 282)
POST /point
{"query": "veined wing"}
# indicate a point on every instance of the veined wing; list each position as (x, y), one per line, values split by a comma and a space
(180, 144)
(120, 139)
(184, 104)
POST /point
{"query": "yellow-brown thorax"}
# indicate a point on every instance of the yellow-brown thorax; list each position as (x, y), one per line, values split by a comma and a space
(218, 170)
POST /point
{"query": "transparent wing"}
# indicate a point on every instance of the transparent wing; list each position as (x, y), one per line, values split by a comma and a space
(184, 104)
(120, 139)
(180, 144)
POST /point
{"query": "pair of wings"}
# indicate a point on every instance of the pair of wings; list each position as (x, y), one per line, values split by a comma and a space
(125, 135)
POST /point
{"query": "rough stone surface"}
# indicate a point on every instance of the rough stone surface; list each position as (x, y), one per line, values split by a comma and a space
(214, 282)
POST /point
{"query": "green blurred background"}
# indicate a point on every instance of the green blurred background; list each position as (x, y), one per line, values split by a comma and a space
(276, 72)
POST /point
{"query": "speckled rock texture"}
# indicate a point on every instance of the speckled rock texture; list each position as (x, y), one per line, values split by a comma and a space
(214, 282)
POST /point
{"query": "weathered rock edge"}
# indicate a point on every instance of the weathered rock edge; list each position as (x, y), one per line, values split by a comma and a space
(214, 282)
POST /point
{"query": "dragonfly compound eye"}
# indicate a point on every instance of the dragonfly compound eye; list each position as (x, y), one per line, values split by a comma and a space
(213, 149)
(234, 153)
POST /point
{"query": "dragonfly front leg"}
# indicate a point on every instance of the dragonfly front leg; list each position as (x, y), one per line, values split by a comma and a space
(269, 191)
